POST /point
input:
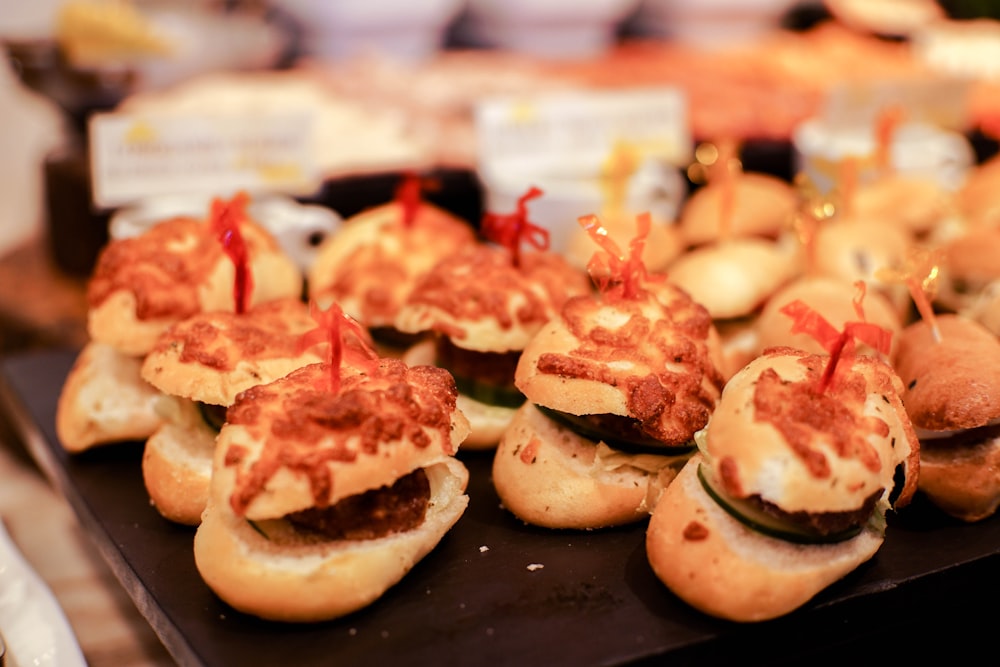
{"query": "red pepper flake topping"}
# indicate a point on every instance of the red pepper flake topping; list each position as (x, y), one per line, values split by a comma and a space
(225, 219)
(331, 323)
(510, 229)
(839, 344)
(613, 268)
(920, 274)
(695, 531)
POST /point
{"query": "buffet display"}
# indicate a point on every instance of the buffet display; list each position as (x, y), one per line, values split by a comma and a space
(737, 403)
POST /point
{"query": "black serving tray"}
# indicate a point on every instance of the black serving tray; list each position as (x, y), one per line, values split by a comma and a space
(477, 599)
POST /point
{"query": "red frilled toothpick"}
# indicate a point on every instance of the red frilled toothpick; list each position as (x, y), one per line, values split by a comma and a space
(839, 344)
(510, 229)
(225, 219)
(332, 325)
(408, 195)
(613, 267)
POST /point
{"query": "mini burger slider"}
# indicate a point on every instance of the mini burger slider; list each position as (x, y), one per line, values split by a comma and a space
(482, 306)
(330, 484)
(950, 367)
(140, 287)
(370, 265)
(201, 364)
(617, 385)
(800, 461)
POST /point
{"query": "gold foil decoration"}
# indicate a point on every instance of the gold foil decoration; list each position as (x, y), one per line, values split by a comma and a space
(920, 273)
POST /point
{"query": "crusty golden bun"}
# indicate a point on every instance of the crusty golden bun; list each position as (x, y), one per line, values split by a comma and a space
(849, 439)
(104, 399)
(720, 566)
(833, 299)
(763, 205)
(372, 262)
(962, 480)
(663, 244)
(549, 476)
(482, 302)
(142, 285)
(852, 248)
(968, 266)
(914, 203)
(295, 445)
(651, 358)
(734, 277)
(177, 463)
(212, 357)
(954, 384)
(953, 397)
(288, 579)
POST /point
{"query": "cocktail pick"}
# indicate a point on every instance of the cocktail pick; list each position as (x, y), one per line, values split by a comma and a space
(511, 229)
(886, 124)
(722, 174)
(612, 268)
(225, 219)
(333, 326)
(616, 172)
(409, 193)
(839, 344)
(920, 273)
(814, 209)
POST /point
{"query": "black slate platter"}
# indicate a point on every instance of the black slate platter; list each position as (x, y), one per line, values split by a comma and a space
(498, 592)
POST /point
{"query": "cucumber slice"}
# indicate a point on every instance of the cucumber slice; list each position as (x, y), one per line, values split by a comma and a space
(757, 519)
(621, 433)
(491, 394)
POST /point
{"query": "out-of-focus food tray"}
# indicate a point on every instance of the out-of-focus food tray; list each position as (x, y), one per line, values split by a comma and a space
(497, 592)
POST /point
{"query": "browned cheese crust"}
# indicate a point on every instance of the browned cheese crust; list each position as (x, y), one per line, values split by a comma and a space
(774, 436)
(211, 357)
(177, 268)
(482, 302)
(954, 384)
(293, 444)
(372, 262)
(648, 358)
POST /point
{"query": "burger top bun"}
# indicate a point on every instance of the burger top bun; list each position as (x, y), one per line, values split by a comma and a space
(482, 302)
(762, 205)
(775, 436)
(833, 299)
(211, 357)
(976, 199)
(663, 244)
(293, 444)
(853, 248)
(721, 567)
(968, 265)
(652, 358)
(734, 277)
(954, 383)
(141, 285)
(372, 262)
(914, 203)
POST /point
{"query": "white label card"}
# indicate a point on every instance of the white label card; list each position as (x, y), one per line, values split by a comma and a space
(138, 156)
(573, 133)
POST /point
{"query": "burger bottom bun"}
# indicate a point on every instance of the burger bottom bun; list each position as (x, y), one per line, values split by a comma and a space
(312, 580)
(487, 423)
(549, 476)
(177, 470)
(105, 399)
(963, 481)
(721, 567)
